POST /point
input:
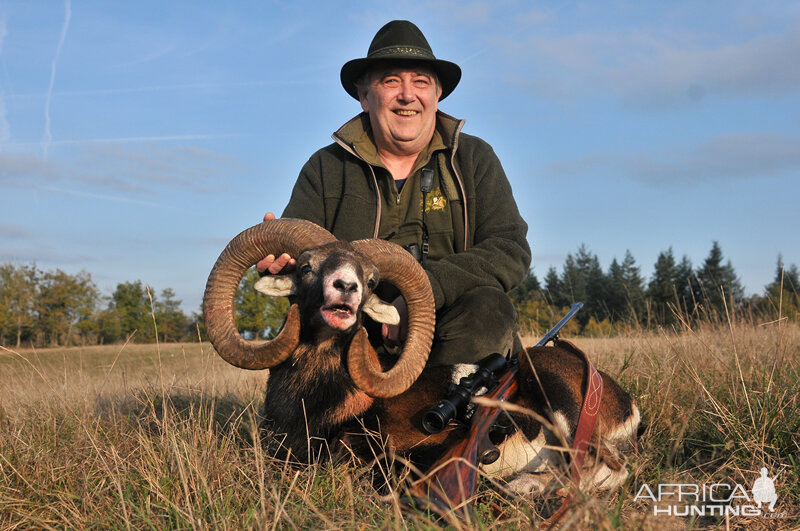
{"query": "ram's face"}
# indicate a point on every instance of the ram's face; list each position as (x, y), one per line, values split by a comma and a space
(333, 285)
(336, 284)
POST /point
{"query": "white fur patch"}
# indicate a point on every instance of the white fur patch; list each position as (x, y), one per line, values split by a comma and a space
(562, 425)
(462, 370)
(627, 429)
(528, 484)
(518, 454)
(347, 274)
(381, 312)
(275, 285)
(602, 478)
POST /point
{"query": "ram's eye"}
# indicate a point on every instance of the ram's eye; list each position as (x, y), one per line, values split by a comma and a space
(306, 269)
(371, 283)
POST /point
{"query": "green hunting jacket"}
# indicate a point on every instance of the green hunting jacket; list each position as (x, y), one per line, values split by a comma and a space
(477, 236)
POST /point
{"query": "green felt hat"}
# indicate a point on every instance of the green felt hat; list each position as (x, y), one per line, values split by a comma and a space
(400, 40)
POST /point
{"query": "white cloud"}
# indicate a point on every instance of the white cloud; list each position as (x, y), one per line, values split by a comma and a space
(736, 156)
(645, 68)
(139, 171)
(14, 232)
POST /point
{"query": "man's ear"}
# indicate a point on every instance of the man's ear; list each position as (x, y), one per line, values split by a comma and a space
(276, 285)
(381, 312)
(362, 97)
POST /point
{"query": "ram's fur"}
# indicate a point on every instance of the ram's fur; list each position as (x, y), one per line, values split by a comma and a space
(326, 383)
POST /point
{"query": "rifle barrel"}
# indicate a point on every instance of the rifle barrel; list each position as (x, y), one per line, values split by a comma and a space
(553, 332)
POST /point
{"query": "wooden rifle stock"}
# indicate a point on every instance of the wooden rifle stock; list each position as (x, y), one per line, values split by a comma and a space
(452, 481)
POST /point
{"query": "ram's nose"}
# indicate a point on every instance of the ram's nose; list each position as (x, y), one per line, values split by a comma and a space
(344, 286)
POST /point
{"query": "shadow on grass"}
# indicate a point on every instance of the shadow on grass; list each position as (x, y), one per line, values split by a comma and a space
(228, 416)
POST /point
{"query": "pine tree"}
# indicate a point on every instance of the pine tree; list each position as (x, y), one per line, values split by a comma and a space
(686, 287)
(616, 300)
(783, 293)
(634, 287)
(719, 285)
(663, 287)
(582, 279)
(554, 291)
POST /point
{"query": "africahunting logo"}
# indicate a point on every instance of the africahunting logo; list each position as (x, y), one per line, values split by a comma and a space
(715, 499)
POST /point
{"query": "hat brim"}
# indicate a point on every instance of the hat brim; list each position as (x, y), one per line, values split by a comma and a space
(449, 74)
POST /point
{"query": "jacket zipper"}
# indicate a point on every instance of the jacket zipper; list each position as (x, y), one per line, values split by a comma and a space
(352, 150)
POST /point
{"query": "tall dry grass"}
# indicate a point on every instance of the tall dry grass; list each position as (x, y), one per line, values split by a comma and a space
(162, 437)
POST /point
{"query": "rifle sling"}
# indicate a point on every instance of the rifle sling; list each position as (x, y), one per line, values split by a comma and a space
(586, 423)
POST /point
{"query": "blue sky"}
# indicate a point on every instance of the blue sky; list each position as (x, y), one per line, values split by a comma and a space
(136, 139)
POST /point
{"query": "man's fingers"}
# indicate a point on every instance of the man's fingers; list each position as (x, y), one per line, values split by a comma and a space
(274, 265)
(281, 262)
(262, 265)
(269, 216)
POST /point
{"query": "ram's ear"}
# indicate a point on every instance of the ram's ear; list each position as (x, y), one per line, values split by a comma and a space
(380, 311)
(275, 285)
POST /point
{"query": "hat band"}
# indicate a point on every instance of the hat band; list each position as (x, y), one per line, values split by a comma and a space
(401, 50)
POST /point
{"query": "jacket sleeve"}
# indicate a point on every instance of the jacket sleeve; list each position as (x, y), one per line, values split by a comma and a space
(499, 255)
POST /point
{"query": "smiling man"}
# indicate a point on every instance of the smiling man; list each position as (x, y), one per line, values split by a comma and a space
(403, 171)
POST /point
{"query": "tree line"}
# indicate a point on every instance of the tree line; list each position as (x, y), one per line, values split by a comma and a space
(676, 293)
(49, 308)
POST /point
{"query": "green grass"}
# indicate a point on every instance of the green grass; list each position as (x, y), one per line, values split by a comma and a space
(149, 437)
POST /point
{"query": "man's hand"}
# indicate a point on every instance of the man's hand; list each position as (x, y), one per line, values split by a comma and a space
(270, 263)
(394, 334)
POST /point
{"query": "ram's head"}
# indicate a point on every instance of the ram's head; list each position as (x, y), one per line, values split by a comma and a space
(330, 287)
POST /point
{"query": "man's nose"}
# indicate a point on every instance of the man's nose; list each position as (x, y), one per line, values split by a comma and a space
(407, 93)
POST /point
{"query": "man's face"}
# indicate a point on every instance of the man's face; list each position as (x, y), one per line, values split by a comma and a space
(402, 104)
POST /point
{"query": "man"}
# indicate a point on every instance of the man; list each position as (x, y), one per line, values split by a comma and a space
(403, 171)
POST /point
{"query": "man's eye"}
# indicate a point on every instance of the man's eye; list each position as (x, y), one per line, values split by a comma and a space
(306, 269)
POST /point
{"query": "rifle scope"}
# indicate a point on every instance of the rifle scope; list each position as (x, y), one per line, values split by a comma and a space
(459, 395)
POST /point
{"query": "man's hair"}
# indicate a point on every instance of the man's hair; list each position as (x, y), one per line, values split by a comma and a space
(364, 80)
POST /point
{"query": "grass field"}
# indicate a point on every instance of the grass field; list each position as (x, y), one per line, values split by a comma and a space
(148, 437)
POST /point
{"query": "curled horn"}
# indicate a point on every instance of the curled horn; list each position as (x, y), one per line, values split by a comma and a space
(270, 237)
(397, 267)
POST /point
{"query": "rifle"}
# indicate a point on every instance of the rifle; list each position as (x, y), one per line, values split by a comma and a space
(452, 479)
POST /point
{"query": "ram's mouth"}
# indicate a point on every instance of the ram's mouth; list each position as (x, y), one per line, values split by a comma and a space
(339, 316)
(339, 309)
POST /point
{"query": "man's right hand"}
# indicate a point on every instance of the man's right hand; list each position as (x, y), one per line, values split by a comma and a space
(270, 263)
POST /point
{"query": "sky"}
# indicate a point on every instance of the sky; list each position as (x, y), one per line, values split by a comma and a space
(136, 139)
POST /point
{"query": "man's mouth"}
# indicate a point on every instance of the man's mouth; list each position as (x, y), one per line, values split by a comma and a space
(406, 112)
